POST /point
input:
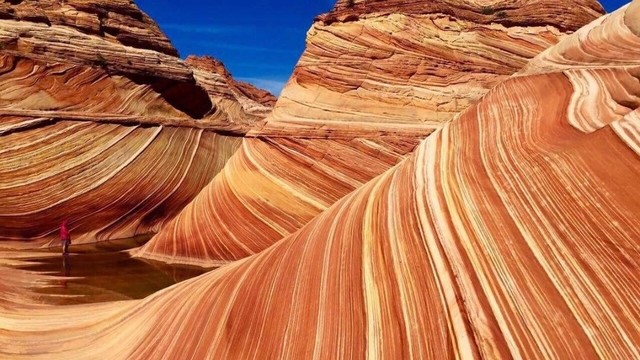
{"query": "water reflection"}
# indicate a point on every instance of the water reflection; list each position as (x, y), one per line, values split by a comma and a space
(66, 268)
(66, 265)
(101, 277)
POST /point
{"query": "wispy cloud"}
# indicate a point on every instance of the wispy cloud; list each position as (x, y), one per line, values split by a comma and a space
(222, 29)
(205, 29)
(247, 48)
(283, 67)
(272, 85)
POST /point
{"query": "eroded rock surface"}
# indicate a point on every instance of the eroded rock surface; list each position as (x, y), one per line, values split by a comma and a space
(508, 233)
(102, 124)
(117, 21)
(412, 65)
(363, 95)
(236, 103)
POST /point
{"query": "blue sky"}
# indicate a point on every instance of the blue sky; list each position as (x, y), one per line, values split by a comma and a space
(259, 41)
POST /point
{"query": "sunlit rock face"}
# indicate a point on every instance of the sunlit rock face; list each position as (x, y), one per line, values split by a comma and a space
(508, 233)
(237, 104)
(508, 12)
(369, 86)
(101, 123)
(116, 21)
(270, 188)
(413, 65)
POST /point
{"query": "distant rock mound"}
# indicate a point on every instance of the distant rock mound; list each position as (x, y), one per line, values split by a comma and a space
(235, 102)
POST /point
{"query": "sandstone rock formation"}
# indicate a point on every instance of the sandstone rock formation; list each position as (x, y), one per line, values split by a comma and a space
(101, 123)
(509, 233)
(270, 188)
(412, 65)
(116, 21)
(236, 102)
(364, 93)
(507, 12)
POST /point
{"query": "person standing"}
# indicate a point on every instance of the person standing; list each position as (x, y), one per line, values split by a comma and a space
(65, 237)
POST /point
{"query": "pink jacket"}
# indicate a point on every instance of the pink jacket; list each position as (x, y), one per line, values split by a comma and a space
(64, 232)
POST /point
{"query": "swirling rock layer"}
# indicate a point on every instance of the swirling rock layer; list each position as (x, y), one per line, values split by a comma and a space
(111, 181)
(409, 66)
(101, 124)
(509, 233)
(364, 93)
(118, 21)
(269, 189)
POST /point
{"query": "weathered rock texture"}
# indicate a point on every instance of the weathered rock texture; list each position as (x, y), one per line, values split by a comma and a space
(412, 65)
(270, 188)
(117, 21)
(236, 103)
(365, 92)
(507, 12)
(508, 233)
(102, 124)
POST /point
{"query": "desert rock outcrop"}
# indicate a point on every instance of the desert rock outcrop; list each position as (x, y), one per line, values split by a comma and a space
(508, 233)
(412, 65)
(364, 93)
(236, 102)
(101, 122)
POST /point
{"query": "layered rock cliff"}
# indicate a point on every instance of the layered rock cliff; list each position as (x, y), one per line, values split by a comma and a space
(364, 93)
(116, 21)
(412, 65)
(509, 233)
(506, 12)
(102, 124)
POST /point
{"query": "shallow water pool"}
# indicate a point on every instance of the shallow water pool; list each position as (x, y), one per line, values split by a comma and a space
(99, 276)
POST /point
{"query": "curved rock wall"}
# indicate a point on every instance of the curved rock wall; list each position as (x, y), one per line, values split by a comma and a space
(413, 65)
(110, 181)
(507, 234)
(102, 124)
(364, 90)
(270, 188)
